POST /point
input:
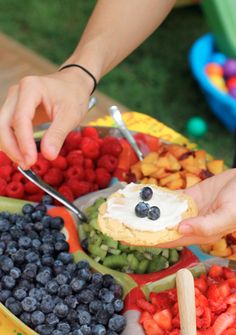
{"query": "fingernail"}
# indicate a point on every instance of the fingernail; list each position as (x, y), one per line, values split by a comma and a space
(52, 150)
(185, 229)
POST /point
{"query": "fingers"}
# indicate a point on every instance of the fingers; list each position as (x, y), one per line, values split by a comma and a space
(8, 141)
(190, 240)
(29, 98)
(54, 138)
(218, 222)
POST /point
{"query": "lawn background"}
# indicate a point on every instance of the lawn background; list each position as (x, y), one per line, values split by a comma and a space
(155, 79)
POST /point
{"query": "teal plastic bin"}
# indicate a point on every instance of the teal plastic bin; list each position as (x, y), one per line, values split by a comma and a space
(221, 17)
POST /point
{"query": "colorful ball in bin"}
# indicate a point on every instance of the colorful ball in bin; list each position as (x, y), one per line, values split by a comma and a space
(231, 82)
(214, 69)
(219, 82)
(230, 68)
(196, 126)
(232, 92)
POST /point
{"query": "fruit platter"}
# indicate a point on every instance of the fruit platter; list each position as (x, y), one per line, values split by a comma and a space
(61, 260)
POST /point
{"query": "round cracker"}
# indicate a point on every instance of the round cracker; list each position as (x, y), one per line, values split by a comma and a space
(120, 232)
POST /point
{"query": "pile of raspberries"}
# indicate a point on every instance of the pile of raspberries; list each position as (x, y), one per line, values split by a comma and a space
(85, 164)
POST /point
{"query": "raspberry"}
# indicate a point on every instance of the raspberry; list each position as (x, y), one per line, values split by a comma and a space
(31, 188)
(75, 172)
(108, 162)
(4, 159)
(73, 140)
(15, 190)
(90, 148)
(63, 152)
(79, 187)
(18, 176)
(103, 177)
(94, 188)
(41, 166)
(6, 172)
(53, 177)
(60, 163)
(35, 197)
(111, 146)
(88, 163)
(90, 132)
(66, 191)
(89, 175)
(75, 157)
(3, 185)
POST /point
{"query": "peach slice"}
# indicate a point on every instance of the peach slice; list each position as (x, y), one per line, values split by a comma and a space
(191, 179)
(151, 157)
(160, 173)
(174, 164)
(176, 150)
(223, 253)
(176, 184)
(147, 168)
(163, 162)
(215, 166)
(136, 170)
(170, 178)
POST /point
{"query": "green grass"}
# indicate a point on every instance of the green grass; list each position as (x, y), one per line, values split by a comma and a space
(155, 79)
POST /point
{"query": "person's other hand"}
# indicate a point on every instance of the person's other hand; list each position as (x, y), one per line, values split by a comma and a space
(62, 95)
(215, 198)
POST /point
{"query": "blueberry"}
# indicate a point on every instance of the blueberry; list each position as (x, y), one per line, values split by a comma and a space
(4, 295)
(38, 226)
(19, 294)
(95, 306)
(29, 304)
(109, 308)
(57, 223)
(61, 310)
(118, 305)
(6, 237)
(36, 243)
(85, 274)
(24, 242)
(71, 268)
(71, 301)
(37, 215)
(59, 236)
(146, 193)
(86, 296)
(4, 225)
(65, 257)
(117, 323)
(141, 209)
(8, 282)
(72, 316)
(61, 246)
(52, 319)
(102, 317)
(37, 318)
(82, 307)
(83, 264)
(48, 238)
(64, 327)
(19, 256)
(106, 295)
(86, 330)
(77, 332)
(84, 318)
(46, 220)
(108, 280)
(111, 332)
(15, 307)
(47, 200)
(44, 276)
(47, 260)
(6, 264)
(26, 318)
(28, 209)
(52, 287)
(37, 293)
(154, 213)
(85, 244)
(77, 284)
(98, 330)
(25, 284)
(62, 278)
(47, 248)
(64, 290)
(30, 271)
(32, 257)
(44, 329)
(9, 301)
(2, 247)
(16, 233)
(47, 304)
(58, 266)
(97, 278)
(41, 207)
(117, 290)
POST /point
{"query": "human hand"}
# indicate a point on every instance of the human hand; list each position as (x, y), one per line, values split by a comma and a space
(62, 95)
(215, 199)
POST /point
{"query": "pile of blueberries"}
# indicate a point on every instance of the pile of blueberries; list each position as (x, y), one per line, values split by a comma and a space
(43, 287)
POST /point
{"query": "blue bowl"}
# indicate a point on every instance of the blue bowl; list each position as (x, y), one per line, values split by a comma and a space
(221, 103)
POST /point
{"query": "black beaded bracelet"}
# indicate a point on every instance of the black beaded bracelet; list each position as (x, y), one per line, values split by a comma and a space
(85, 70)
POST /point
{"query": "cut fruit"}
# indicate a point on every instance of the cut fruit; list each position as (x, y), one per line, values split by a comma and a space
(216, 166)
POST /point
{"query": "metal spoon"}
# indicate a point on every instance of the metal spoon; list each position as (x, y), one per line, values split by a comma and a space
(117, 117)
(29, 174)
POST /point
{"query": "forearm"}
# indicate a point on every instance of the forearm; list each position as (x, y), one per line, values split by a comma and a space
(115, 29)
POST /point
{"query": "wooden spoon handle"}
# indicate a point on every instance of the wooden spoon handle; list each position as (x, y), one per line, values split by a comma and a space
(186, 301)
